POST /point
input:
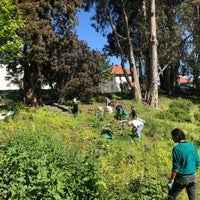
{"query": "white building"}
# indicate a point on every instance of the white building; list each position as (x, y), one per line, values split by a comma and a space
(4, 84)
(117, 83)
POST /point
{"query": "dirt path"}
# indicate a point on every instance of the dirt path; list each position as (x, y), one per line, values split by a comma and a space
(58, 109)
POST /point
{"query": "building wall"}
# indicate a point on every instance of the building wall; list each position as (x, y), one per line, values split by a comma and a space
(113, 85)
(4, 84)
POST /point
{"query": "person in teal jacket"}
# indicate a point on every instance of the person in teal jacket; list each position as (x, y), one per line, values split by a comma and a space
(185, 160)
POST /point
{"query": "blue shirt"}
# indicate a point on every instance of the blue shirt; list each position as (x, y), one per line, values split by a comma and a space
(185, 159)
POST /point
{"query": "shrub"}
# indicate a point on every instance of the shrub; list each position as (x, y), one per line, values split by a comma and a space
(180, 115)
(100, 99)
(35, 165)
(197, 117)
(184, 104)
(179, 111)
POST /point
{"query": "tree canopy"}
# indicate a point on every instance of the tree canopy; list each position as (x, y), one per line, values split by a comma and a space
(10, 22)
(177, 26)
(51, 52)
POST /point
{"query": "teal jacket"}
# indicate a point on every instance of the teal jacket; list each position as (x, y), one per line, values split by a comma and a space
(185, 159)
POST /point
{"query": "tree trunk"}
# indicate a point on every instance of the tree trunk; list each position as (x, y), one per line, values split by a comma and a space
(135, 80)
(175, 76)
(32, 86)
(152, 84)
(135, 85)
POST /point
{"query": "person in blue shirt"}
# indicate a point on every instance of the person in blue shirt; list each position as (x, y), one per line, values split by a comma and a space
(185, 160)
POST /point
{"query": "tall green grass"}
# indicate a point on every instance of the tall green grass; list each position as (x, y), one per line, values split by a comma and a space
(55, 155)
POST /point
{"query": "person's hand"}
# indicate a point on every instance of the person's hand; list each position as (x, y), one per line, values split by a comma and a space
(170, 185)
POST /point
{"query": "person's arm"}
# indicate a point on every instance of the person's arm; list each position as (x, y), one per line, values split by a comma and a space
(171, 182)
(173, 175)
(175, 164)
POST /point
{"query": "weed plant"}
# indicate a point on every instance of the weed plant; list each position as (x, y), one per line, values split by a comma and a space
(54, 155)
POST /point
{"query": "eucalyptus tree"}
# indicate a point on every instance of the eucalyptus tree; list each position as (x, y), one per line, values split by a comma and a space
(169, 40)
(189, 13)
(133, 38)
(152, 70)
(10, 22)
(115, 15)
(174, 42)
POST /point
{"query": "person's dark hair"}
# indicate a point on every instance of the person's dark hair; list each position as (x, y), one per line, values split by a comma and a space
(178, 134)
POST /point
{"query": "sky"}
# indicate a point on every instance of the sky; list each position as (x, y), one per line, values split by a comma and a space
(94, 40)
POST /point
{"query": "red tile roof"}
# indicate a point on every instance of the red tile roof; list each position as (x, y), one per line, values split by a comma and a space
(118, 70)
(184, 80)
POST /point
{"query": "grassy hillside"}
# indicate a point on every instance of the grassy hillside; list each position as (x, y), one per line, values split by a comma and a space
(50, 154)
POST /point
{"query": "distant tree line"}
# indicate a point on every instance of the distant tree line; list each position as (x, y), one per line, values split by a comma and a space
(159, 39)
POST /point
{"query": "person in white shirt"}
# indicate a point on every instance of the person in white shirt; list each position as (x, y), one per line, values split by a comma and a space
(138, 125)
(6, 114)
(108, 105)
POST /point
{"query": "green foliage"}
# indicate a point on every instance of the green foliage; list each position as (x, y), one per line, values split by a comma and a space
(11, 21)
(100, 99)
(181, 103)
(197, 117)
(54, 155)
(179, 111)
(39, 165)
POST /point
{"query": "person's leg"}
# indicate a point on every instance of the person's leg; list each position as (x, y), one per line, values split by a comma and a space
(191, 188)
(75, 109)
(176, 189)
(139, 131)
(138, 134)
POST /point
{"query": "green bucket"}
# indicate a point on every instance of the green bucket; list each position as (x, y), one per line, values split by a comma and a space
(107, 133)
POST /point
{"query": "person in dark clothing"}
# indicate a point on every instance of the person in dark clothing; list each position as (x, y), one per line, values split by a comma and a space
(133, 113)
(75, 105)
(120, 112)
(185, 160)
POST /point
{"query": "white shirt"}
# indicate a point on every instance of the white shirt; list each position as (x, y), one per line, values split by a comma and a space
(136, 123)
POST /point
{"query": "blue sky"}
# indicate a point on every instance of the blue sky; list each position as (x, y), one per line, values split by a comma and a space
(94, 40)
